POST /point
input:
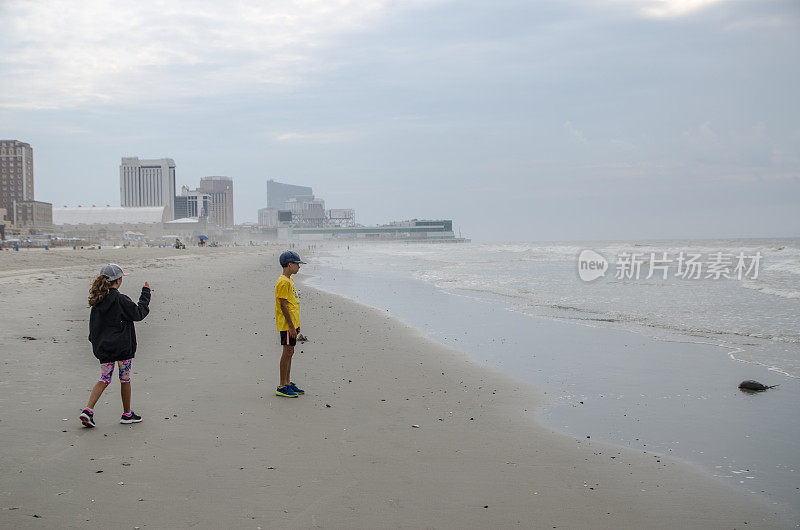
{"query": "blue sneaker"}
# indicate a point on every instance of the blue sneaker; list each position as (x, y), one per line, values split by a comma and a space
(285, 391)
(297, 390)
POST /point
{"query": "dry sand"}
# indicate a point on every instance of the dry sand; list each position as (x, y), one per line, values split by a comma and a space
(217, 448)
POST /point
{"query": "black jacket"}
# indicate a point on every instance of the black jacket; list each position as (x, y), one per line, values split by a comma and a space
(111, 329)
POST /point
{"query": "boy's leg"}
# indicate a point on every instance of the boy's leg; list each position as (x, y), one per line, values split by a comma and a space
(286, 364)
(293, 344)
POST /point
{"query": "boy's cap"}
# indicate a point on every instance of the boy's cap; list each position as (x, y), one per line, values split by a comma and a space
(290, 256)
(112, 271)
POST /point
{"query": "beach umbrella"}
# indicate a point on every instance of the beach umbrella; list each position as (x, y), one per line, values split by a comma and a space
(202, 238)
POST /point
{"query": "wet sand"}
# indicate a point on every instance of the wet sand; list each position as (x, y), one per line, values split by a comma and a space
(218, 449)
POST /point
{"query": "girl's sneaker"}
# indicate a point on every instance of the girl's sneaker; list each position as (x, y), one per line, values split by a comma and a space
(87, 418)
(130, 417)
(298, 391)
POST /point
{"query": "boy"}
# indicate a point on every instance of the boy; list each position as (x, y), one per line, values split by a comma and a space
(287, 319)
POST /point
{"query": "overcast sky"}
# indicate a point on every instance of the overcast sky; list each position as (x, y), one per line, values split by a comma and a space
(519, 120)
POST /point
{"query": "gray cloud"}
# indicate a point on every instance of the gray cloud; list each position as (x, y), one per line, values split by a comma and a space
(58, 56)
(565, 109)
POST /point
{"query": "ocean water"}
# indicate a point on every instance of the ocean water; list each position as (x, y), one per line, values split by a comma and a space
(757, 318)
(647, 363)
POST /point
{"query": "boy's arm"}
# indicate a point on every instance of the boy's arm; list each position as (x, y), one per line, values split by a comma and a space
(288, 317)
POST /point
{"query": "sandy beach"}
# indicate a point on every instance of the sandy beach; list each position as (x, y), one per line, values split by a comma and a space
(217, 448)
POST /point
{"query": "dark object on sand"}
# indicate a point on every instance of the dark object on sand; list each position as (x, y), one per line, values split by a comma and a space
(301, 338)
(754, 386)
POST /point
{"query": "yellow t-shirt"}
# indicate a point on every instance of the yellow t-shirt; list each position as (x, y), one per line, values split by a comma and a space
(284, 288)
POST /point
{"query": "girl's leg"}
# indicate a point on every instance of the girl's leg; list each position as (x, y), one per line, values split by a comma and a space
(97, 391)
(106, 371)
(125, 390)
(125, 384)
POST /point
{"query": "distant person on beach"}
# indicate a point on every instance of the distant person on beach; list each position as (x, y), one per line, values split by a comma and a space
(287, 319)
(113, 337)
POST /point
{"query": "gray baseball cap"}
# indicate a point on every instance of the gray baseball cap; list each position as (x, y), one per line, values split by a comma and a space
(113, 272)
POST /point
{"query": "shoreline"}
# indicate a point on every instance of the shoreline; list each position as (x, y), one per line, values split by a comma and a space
(530, 413)
(717, 437)
(217, 448)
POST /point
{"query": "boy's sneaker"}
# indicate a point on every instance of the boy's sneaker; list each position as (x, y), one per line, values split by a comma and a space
(87, 418)
(285, 391)
(130, 417)
(298, 391)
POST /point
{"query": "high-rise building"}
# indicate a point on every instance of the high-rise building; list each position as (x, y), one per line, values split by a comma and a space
(182, 208)
(147, 182)
(16, 188)
(278, 193)
(192, 203)
(221, 191)
(16, 173)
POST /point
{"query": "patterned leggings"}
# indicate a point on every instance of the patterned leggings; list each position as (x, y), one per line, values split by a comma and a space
(107, 370)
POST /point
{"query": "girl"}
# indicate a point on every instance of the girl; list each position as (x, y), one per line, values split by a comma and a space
(113, 337)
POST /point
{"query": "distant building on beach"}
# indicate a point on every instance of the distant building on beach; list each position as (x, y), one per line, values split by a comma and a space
(221, 191)
(33, 214)
(278, 193)
(417, 230)
(296, 206)
(16, 189)
(440, 230)
(3, 223)
(268, 217)
(192, 203)
(110, 222)
(16, 173)
(212, 201)
(147, 182)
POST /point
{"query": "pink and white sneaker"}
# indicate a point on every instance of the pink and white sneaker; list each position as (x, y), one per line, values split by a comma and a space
(87, 417)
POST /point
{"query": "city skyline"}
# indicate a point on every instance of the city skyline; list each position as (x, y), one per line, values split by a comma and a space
(605, 119)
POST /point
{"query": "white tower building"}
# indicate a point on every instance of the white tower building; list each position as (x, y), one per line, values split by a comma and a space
(147, 182)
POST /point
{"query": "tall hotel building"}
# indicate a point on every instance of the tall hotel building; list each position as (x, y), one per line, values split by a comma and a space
(221, 191)
(16, 173)
(147, 183)
(16, 188)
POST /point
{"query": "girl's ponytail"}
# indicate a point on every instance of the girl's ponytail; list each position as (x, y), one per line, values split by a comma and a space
(98, 290)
